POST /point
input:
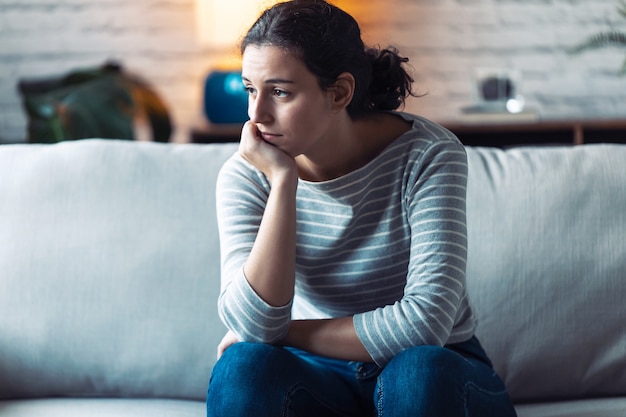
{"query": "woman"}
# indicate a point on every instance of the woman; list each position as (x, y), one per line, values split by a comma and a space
(342, 225)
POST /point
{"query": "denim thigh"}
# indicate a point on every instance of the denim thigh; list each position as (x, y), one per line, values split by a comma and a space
(456, 380)
(261, 380)
(253, 379)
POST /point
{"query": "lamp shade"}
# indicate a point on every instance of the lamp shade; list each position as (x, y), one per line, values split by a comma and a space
(225, 99)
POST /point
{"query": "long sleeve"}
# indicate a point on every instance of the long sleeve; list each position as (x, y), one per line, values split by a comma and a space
(242, 193)
(434, 199)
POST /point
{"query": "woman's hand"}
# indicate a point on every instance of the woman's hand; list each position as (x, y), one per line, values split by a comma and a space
(228, 340)
(267, 158)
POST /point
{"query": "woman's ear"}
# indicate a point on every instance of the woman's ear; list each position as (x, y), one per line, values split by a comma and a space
(342, 91)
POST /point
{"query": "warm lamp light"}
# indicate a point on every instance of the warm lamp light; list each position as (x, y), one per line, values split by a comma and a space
(221, 23)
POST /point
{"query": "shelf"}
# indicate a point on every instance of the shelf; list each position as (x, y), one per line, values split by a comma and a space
(205, 132)
(565, 132)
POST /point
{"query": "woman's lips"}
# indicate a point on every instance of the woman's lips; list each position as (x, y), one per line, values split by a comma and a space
(269, 137)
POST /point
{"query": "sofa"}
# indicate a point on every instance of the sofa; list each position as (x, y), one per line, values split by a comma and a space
(109, 275)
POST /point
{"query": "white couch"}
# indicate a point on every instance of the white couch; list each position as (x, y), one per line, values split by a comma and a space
(109, 273)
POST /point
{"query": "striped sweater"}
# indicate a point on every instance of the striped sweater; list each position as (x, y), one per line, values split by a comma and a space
(386, 244)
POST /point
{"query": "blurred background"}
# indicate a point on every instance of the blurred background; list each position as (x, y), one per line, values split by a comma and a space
(175, 44)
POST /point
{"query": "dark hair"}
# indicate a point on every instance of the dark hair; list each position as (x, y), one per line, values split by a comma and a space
(329, 42)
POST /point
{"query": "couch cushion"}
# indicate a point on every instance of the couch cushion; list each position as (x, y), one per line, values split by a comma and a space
(598, 407)
(64, 407)
(109, 265)
(547, 267)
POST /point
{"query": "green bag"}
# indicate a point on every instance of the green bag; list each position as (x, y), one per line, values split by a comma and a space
(103, 102)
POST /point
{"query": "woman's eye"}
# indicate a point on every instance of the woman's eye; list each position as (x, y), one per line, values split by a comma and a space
(280, 93)
(249, 90)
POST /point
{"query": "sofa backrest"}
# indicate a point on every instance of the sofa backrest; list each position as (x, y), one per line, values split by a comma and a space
(109, 268)
(547, 267)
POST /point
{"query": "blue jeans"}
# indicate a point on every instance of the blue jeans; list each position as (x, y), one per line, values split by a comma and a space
(261, 380)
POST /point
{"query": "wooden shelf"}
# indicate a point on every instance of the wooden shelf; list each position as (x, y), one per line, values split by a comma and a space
(205, 132)
(564, 132)
(555, 132)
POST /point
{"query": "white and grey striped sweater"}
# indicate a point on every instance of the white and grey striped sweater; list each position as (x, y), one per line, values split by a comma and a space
(386, 244)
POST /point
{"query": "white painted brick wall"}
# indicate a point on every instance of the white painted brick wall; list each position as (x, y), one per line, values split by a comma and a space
(154, 38)
(448, 39)
(445, 40)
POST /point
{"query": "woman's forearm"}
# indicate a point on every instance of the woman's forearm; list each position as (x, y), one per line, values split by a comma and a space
(270, 268)
(335, 338)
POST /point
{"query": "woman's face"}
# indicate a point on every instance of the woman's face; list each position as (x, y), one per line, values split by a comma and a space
(286, 103)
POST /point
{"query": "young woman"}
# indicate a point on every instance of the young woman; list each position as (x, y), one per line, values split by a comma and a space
(342, 225)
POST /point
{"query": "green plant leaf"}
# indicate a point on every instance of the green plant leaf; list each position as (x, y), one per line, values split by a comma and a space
(601, 40)
(622, 8)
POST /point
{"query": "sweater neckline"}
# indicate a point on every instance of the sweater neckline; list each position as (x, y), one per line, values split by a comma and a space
(348, 178)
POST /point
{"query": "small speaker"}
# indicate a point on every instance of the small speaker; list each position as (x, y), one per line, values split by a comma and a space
(497, 89)
(494, 88)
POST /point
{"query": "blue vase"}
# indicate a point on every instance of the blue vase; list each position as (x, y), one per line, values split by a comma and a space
(225, 99)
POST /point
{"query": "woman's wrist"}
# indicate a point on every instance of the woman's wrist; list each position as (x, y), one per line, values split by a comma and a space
(286, 177)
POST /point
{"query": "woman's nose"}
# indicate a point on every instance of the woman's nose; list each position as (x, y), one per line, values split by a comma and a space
(258, 111)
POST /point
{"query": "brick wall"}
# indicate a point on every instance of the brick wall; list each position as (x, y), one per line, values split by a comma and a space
(445, 39)
(154, 38)
(448, 39)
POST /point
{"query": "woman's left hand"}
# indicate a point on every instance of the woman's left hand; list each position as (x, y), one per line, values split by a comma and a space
(228, 340)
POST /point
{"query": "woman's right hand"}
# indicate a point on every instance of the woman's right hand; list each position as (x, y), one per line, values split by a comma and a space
(228, 340)
(267, 158)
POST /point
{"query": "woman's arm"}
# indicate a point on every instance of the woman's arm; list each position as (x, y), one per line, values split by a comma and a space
(270, 267)
(334, 338)
(434, 308)
(256, 217)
